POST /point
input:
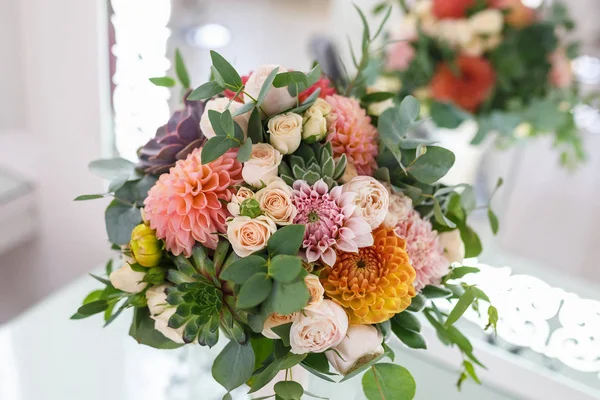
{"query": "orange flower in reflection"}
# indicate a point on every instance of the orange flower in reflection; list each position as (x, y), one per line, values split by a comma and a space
(467, 89)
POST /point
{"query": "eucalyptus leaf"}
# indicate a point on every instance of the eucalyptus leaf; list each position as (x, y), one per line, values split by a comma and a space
(163, 81)
(289, 390)
(255, 127)
(494, 224)
(463, 304)
(245, 151)
(254, 291)
(120, 220)
(206, 91)
(389, 382)
(285, 268)
(286, 240)
(227, 72)
(112, 168)
(234, 365)
(181, 70)
(85, 197)
(264, 90)
(215, 147)
(243, 269)
(412, 339)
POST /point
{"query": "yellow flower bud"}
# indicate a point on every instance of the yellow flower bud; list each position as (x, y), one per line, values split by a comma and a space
(145, 247)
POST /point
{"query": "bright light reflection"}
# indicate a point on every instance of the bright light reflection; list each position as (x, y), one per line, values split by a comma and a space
(587, 69)
(533, 3)
(209, 36)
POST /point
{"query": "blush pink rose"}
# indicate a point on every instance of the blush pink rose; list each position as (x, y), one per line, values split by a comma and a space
(399, 56)
(319, 329)
(561, 74)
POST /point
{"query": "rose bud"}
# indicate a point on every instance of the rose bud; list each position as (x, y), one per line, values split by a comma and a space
(128, 280)
(314, 122)
(454, 248)
(145, 247)
(361, 344)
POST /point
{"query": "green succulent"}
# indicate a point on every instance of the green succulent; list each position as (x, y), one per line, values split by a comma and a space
(311, 163)
(204, 302)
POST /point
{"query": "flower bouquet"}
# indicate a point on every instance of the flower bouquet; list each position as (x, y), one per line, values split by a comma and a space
(272, 213)
(497, 62)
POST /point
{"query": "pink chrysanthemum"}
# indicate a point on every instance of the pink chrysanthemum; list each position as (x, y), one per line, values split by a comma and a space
(354, 134)
(424, 250)
(329, 223)
(186, 205)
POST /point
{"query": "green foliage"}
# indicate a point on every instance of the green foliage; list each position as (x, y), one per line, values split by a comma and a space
(163, 81)
(287, 240)
(206, 91)
(285, 268)
(244, 268)
(289, 390)
(463, 304)
(390, 382)
(245, 151)
(447, 115)
(266, 375)
(234, 365)
(120, 220)
(254, 291)
(230, 76)
(181, 70)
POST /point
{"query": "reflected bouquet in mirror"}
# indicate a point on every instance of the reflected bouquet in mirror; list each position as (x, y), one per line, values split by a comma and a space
(273, 214)
(499, 62)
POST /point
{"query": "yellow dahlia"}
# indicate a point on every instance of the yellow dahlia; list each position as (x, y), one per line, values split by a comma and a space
(374, 284)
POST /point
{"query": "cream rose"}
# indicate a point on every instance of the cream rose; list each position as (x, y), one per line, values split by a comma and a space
(277, 99)
(262, 166)
(249, 235)
(362, 344)
(285, 132)
(372, 199)
(316, 290)
(487, 22)
(454, 248)
(319, 329)
(243, 193)
(161, 311)
(399, 209)
(220, 105)
(275, 200)
(128, 280)
(275, 320)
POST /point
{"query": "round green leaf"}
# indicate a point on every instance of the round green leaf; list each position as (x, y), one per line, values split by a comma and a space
(284, 268)
(245, 151)
(254, 291)
(244, 268)
(120, 220)
(389, 382)
(112, 168)
(287, 298)
(215, 148)
(286, 240)
(234, 365)
(289, 390)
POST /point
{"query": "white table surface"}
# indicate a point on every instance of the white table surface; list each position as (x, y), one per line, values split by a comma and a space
(46, 356)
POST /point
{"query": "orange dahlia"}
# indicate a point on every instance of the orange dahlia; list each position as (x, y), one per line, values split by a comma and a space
(374, 284)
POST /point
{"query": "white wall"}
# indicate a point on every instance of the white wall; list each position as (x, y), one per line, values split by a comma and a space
(12, 93)
(64, 59)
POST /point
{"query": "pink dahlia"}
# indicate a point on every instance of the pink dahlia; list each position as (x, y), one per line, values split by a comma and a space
(354, 134)
(186, 205)
(329, 223)
(424, 249)
(326, 89)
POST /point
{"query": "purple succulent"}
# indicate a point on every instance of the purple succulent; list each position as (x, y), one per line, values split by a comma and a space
(173, 141)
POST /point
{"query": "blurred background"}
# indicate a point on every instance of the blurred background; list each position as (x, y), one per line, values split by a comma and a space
(74, 87)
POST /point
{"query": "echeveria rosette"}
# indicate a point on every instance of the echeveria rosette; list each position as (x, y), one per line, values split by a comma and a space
(173, 141)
